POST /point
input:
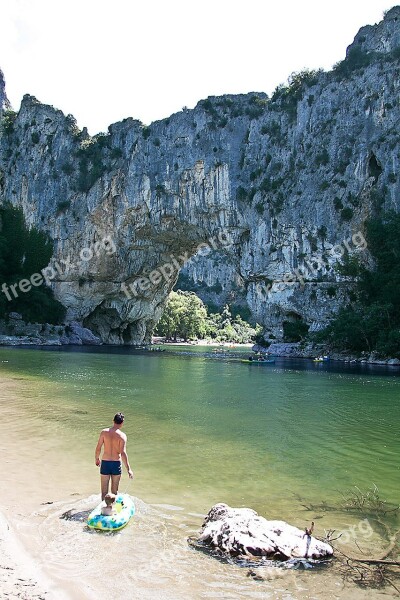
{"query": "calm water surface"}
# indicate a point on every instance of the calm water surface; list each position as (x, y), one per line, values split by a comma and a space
(201, 429)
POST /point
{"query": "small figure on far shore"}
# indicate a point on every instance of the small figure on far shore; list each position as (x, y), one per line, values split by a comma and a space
(109, 509)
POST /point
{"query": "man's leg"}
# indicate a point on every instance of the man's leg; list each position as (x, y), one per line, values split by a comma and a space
(105, 480)
(115, 483)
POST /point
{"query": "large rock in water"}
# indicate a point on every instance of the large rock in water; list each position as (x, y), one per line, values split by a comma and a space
(242, 532)
(81, 335)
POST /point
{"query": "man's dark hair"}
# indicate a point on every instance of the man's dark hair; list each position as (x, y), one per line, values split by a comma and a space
(119, 418)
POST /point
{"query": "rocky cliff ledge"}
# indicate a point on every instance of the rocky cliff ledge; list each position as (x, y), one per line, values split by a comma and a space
(273, 187)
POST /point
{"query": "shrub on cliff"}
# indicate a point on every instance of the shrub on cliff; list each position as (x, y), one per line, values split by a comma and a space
(346, 214)
(93, 161)
(356, 59)
(7, 122)
(289, 95)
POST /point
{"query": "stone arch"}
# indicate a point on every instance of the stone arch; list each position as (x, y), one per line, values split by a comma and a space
(133, 306)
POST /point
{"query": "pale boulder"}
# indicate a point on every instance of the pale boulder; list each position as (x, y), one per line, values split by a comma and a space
(242, 532)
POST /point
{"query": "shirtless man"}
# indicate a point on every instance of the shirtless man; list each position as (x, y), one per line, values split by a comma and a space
(114, 442)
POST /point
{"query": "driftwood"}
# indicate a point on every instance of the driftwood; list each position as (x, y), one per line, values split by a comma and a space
(372, 561)
(372, 571)
(382, 559)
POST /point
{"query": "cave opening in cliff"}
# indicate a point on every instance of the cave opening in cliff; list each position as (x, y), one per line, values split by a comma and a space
(374, 168)
(127, 334)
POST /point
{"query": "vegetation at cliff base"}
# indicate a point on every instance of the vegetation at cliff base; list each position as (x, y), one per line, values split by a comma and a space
(186, 316)
(24, 252)
(372, 321)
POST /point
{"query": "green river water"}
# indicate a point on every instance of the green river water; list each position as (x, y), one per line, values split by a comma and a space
(201, 429)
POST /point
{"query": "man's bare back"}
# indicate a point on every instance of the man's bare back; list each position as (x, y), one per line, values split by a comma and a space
(114, 442)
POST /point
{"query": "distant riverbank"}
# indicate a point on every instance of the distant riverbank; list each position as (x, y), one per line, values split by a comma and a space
(312, 351)
(213, 343)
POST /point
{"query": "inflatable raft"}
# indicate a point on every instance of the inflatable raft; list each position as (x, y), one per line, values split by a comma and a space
(124, 511)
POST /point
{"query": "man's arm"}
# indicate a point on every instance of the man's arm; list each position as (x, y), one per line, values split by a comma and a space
(98, 449)
(125, 459)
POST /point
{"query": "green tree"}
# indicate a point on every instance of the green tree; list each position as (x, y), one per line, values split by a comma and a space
(372, 321)
(193, 323)
(24, 252)
(186, 316)
(226, 316)
(168, 325)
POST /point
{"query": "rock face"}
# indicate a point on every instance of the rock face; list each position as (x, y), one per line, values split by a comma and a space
(275, 189)
(16, 332)
(240, 532)
(76, 334)
(4, 102)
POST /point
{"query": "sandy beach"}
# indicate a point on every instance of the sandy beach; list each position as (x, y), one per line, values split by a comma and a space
(20, 576)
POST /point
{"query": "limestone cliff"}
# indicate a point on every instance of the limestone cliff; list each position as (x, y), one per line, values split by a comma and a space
(4, 102)
(284, 178)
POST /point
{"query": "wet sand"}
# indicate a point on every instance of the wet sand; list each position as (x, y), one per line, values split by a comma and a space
(20, 575)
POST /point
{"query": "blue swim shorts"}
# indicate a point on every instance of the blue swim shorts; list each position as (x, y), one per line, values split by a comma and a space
(110, 467)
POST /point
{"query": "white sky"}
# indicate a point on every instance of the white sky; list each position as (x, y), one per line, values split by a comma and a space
(104, 61)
